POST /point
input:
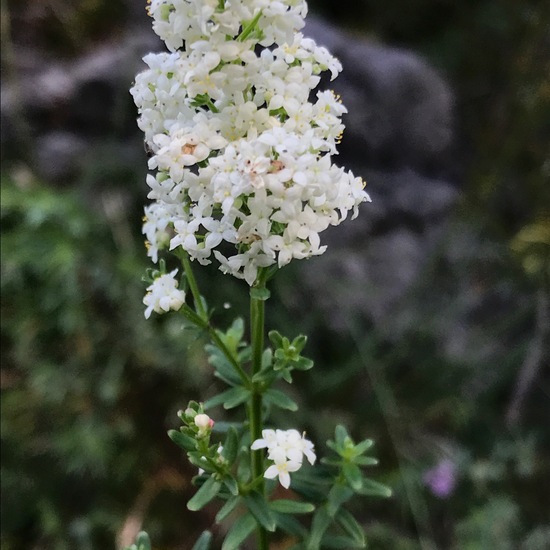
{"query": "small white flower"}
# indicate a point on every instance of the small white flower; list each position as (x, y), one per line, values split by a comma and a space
(163, 295)
(286, 448)
(283, 470)
(268, 439)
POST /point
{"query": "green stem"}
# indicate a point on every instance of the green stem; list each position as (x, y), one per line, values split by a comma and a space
(257, 328)
(234, 362)
(247, 31)
(199, 306)
(200, 319)
(211, 106)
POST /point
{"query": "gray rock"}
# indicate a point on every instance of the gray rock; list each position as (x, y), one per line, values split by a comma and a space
(400, 109)
(59, 154)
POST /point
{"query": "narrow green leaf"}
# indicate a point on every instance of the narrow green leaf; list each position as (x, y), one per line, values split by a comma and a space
(375, 489)
(198, 460)
(227, 508)
(267, 358)
(365, 461)
(239, 532)
(285, 506)
(245, 354)
(338, 495)
(312, 488)
(240, 395)
(340, 434)
(280, 399)
(303, 363)
(228, 377)
(319, 525)
(353, 476)
(258, 507)
(231, 446)
(223, 367)
(332, 461)
(363, 446)
(276, 338)
(182, 440)
(265, 376)
(300, 342)
(231, 485)
(290, 525)
(203, 542)
(229, 398)
(235, 332)
(205, 494)
(351, 527)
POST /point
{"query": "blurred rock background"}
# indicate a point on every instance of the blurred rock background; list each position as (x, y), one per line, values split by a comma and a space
(428, 315)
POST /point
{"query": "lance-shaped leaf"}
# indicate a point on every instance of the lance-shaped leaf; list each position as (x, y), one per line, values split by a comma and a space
(229, 399)
(239, 532)
(276, 338)
(203, 542)
(319, 525)
(338, 495)
(280, 399)
(365, 461)
(224, 370)
(227, 508)
(363, 446)
(351, 527)
(231, 446)
(208, 490)
(182, 440)
(258, 507)
(290, 525)
(375, 489)
(341, 434)
(286, 506)
(300, 342)
(231, 485)
(353, 475)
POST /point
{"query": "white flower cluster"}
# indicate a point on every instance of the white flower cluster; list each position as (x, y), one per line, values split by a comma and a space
(163, 295)
(242, 156)
(286, 448)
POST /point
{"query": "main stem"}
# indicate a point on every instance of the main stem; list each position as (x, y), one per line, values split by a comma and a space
(199, 306)
(257, 323)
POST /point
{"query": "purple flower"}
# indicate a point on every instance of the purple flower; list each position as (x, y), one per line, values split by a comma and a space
(441, 479)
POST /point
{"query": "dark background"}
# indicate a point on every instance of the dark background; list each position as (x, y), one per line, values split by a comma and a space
(428, 315)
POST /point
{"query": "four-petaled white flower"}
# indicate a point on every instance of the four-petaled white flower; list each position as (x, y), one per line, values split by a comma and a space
(163, 295)
(286, 448)
(282, 468)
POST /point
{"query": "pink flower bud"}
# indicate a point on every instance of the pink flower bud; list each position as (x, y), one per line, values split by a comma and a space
(203, 423)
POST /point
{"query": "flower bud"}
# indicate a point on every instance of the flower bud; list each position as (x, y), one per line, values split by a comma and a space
(204, 423)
